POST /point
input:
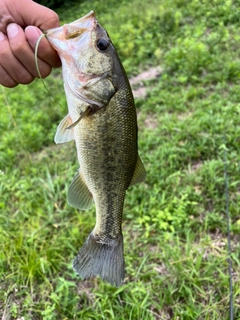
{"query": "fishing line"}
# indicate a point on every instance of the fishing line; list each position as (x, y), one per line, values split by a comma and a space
(228, 231)
(38, 70)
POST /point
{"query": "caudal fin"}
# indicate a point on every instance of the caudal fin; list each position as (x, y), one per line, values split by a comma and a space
(103, 258)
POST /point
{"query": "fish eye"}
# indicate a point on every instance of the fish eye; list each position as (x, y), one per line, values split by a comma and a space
(102, 44)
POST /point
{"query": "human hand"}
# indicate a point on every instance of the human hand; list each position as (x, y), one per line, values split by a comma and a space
(17, 45)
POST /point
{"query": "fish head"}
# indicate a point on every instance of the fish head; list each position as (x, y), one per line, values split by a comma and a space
(84, 47)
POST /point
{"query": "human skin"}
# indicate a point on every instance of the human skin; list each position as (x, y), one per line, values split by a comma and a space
(21, 22)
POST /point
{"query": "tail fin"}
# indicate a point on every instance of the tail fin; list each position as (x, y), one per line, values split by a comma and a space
(101, 258)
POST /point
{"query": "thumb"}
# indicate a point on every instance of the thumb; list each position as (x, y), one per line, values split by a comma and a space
(40, 16)
(45, 50)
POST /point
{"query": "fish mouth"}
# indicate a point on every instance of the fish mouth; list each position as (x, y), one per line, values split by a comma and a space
(72, 30)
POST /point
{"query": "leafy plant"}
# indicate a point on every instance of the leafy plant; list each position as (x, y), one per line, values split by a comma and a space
(167, 216)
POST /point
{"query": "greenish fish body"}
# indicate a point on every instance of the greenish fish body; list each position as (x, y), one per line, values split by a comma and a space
(102, 121)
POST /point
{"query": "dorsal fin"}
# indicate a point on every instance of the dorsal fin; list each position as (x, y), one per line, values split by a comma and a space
(139, 173)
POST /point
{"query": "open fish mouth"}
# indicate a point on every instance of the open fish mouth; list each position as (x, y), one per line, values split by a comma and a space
(78, 48)
(73, 29)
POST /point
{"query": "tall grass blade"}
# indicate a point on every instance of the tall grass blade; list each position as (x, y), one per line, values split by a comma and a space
(228, 232)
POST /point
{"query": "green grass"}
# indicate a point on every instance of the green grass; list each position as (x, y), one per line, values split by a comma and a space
(175, 228)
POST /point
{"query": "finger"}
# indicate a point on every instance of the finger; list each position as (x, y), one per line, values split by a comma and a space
(45, 50)
(6, 80)
(27, 12)
(38, 15)
(11, 65)
(23, 52)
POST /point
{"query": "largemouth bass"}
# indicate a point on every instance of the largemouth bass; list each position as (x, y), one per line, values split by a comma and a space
(102, 121)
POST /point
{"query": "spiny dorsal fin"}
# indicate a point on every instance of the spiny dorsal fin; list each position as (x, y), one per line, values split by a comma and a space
(139, 173)
(79, 195)
(64, 134)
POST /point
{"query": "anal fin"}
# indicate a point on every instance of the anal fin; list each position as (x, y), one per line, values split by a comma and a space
(79, 195)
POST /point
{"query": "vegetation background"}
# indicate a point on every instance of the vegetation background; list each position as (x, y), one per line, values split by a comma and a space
(175, 226)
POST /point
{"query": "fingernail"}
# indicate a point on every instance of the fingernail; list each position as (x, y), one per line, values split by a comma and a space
(32, 35)
(2, 36)
(12, 30)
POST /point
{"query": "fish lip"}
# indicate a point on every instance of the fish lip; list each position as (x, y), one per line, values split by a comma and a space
(87, 22)
(87, 16)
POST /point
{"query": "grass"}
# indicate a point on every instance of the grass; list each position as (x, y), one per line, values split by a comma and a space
(175, 223)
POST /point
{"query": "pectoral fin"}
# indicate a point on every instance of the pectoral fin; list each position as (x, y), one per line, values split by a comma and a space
(85, 113)
(139, 173)
(79, 195)
(64, 134)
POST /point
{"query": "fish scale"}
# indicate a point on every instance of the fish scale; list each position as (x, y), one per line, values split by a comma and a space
(102, 120)
(106, 179)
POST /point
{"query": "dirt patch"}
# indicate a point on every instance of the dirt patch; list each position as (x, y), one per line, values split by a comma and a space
(151, 122)
(140, 92)
(149, 74)
(138, 88)
(185, 115)
(196, 166)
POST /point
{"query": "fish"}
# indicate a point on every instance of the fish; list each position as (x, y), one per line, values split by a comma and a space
(103, 122)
